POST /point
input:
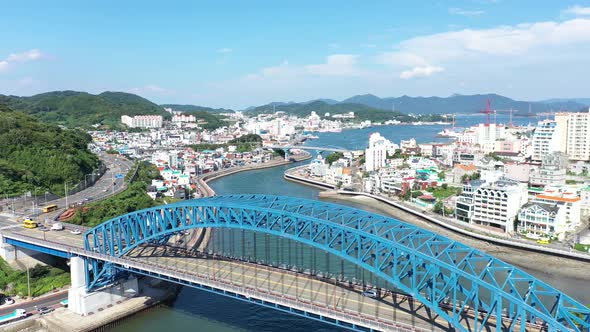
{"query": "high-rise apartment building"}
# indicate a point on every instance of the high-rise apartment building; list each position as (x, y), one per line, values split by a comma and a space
(550, 136)
(376, 153)
(578, 135)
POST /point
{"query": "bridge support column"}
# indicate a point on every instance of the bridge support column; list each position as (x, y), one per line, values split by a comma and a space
(7, 251)
(83, 303)
(286, 154)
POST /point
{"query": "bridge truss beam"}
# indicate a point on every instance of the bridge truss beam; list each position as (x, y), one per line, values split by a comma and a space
(431, 268)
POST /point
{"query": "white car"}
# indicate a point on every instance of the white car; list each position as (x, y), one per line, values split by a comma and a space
(76, 231)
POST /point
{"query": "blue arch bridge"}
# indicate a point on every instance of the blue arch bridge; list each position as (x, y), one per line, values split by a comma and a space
(339, 265)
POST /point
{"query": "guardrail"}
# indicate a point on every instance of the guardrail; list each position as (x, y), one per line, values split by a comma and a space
(513, 244)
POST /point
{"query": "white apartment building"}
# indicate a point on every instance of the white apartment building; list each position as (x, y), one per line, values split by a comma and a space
(376, 153)
(142, 121)
(568, 199)
(549, 136)
(184, 118)
(496, 204)
(578, 135)
(538, 220)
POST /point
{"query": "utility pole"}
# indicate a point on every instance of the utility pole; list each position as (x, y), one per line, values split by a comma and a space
(66, 192)
(29, 280)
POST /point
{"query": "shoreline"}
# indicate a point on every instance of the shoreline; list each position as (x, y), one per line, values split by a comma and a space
(543, 263)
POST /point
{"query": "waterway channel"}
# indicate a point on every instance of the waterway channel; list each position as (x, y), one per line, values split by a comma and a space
(202, 311)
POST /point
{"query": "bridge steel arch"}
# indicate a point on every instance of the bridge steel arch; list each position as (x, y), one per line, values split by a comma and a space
(428, 266)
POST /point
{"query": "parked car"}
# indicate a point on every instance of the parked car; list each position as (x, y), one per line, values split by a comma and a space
(44, 310)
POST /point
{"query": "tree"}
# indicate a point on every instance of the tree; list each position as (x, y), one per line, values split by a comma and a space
(438, 207)
(334, 156)
(441, 175)
(444, 186)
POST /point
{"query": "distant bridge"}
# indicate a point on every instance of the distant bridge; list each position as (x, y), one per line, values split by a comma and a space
(265, 247)
(307, 147)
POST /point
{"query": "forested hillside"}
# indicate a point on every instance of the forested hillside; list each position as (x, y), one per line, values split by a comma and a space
(82, 109)
(38, 157)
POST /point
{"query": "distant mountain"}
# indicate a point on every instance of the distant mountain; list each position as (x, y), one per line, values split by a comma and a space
(325, 100)
(195, 108)
(82, 109)
(460, 104)
(584, 101)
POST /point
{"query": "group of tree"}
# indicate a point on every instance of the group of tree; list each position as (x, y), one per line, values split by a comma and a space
(42, 279)
(39, 157)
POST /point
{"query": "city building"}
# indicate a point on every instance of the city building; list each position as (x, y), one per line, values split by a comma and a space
(496, 204)
(376, 153)
(537, 220)
(549, 136)
(183, 118)
(464, 204)
(552, 171)
(578, 135)
(142, 121)
(566, 198)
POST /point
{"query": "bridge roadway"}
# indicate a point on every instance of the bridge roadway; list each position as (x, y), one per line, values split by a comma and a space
(306, 147)
(327, 297)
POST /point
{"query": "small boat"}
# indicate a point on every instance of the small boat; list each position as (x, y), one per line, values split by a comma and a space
(448, 133)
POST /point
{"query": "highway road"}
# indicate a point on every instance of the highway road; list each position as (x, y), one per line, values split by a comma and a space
(106, 185)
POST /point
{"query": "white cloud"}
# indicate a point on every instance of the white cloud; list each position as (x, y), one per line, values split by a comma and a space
(578, 11)
(465, 12)
(151, 89)
(27, 56)
(335, 65)
(417, 72)
(503, 42)
(31, 55)
(225, 50)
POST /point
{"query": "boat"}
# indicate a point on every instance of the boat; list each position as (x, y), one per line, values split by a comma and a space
(448, 133)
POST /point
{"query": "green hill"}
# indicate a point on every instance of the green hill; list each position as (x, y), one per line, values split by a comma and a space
(81, 109)
(195, 108)
(38, 157)
(361, 112)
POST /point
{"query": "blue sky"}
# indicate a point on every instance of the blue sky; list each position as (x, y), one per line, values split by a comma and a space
(241, 53)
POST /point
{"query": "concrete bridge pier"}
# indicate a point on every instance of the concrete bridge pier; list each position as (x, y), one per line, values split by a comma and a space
(286, 154)
(83, 303)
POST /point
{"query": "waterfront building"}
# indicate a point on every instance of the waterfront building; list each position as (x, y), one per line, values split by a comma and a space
(318, 167)
(537, 220)
(563, 197)
(496, 204)
(142, 121)
(464, 203)
(376, 153)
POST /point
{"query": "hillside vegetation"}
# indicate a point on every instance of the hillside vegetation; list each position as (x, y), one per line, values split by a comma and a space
(361, 112)
(81, 109)
(38, 157)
